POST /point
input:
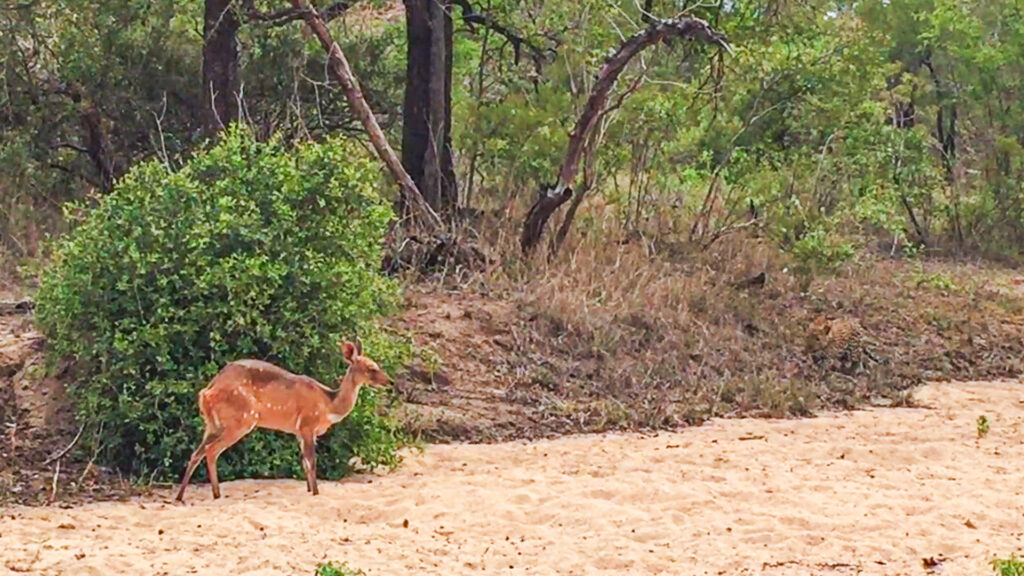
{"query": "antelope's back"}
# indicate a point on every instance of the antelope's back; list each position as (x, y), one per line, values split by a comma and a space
(280, 399)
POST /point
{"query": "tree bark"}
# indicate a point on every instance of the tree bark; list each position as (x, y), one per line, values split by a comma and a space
(340, 69)
(426, 123)
(95, 142)
(221, 81)
(552, 197)
(96, 145)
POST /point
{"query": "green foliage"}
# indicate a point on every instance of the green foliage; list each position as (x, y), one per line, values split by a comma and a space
(826, 118)
(935, 280)
(138, 64)
(983, 426)
(835, 124)
(336, 569)
(1012, 566)
(818, 249)
(250, 250)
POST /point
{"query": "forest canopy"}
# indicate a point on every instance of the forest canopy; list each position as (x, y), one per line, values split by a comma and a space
(830, 125)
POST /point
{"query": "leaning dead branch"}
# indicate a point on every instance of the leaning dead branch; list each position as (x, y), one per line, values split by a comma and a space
(552, 197)
(340, 69)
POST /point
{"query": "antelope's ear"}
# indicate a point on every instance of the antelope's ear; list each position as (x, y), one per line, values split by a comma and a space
(349, 350)
(359, 346)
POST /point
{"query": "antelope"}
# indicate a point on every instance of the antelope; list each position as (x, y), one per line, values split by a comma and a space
(250, 394)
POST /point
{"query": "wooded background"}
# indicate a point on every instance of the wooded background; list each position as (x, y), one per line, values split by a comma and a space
(829, 126)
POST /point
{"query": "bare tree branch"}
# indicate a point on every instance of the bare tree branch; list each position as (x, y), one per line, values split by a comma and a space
(70, 146)
(552, 197)
(286, 15)
(538, 54)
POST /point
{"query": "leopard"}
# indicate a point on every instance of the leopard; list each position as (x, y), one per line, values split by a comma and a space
(839, 344)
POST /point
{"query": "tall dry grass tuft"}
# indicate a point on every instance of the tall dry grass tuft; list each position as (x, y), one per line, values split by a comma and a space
(664, 339)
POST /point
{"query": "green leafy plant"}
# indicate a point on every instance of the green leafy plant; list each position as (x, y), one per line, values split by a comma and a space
(935, 280)
(818, 249)
(1012, 566)
(249, 250)
(983, 426)
(336, 569)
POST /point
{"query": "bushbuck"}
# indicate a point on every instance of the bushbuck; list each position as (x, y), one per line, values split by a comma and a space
(250, 394)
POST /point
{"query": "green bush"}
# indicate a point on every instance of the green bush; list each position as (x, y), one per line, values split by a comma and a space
(250, 250)
(335, 569)
(817, 249)
(1012, 566)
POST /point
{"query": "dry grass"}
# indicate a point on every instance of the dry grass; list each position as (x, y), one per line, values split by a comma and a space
(621, 336)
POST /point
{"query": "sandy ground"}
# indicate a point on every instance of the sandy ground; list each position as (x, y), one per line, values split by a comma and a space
(870, 492)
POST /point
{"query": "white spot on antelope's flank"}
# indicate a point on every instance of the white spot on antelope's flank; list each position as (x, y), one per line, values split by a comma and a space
(297, 421)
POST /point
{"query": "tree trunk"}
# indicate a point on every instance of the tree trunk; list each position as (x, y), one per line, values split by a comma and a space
(221, 82)
(339, 68)
(426, 122)
(96, 145)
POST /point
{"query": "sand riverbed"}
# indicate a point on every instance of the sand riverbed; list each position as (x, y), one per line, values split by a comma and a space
(868, 492)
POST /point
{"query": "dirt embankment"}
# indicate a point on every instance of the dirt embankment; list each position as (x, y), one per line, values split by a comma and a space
(583, 350)
(874, 492)
(33, 411)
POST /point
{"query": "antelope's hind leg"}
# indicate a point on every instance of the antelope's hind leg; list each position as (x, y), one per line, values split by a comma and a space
(193, 461)
(213, 451)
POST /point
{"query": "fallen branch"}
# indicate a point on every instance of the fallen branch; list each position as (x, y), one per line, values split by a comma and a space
(340, 69)
(13, 307)
(67, 449)
(550, 198)
(56, 477)
(95, 452)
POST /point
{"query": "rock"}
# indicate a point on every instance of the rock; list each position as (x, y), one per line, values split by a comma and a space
(16, 350)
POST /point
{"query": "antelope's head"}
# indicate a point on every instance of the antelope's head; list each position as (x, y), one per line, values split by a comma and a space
(361, 369)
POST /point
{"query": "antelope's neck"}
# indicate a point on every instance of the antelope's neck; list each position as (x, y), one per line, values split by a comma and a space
(345, 400)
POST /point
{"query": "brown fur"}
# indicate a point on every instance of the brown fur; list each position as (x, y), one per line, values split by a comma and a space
(838, 343)
(249, 394)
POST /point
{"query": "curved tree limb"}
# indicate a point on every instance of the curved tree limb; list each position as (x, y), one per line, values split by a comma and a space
(340, 69)
(552, 197)
(589, 163)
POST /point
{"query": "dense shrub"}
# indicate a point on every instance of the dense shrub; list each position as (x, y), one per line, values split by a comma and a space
(250, 250)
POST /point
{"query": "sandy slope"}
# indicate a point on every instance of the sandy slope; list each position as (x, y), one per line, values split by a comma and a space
(871, 492)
